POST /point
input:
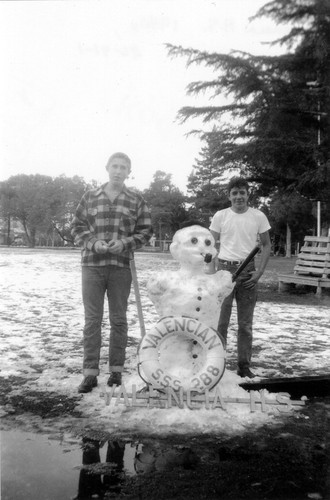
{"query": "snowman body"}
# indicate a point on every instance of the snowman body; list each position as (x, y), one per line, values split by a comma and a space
(184, 350)
(198, 296)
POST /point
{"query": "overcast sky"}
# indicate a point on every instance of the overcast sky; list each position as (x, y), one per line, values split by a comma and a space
(84, 79)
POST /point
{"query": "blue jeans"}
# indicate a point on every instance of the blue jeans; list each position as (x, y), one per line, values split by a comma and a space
(245, 301)
(116, 282)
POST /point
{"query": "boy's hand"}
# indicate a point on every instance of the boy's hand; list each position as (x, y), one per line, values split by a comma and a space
(101, 246)
(253, 280)
(115, 246)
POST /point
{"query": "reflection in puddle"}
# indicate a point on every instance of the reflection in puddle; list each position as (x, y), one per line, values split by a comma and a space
(98, 479)
(153, 457)
(35, 466)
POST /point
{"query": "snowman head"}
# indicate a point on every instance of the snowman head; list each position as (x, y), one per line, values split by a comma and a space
(193, 246)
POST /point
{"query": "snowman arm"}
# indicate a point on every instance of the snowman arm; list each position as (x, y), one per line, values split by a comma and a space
(157, 285)
(225, 282)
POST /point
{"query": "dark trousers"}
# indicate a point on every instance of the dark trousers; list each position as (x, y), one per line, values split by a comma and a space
(115, 282)
(245, 302)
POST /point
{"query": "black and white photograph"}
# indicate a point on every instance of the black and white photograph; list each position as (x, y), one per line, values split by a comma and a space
(165, 249)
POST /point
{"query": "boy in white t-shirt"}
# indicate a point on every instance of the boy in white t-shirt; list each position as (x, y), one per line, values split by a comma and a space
(238, 228)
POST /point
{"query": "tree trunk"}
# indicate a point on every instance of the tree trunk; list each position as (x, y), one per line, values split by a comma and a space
(26, 232)
(288, 241)
(30, 234)
(8, 231)
(33, 233)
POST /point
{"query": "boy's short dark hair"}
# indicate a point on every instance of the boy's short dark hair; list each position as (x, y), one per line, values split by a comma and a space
(120, 155)
(238, 182)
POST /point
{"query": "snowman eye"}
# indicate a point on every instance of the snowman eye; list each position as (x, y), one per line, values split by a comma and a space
(207, 243)
(194, 240)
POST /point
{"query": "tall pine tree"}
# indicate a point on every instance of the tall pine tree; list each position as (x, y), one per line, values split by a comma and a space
(270, 125)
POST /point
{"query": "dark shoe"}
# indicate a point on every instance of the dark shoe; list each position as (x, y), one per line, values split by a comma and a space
(88, 384)
(114, 379)
(245, 372)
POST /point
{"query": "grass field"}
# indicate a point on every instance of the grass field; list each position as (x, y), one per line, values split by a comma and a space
(249, 457)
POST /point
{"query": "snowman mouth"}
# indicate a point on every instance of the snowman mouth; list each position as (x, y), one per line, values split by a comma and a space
(207, 257)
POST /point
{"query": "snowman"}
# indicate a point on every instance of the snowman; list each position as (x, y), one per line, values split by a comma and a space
(184, 350)
(191, 291)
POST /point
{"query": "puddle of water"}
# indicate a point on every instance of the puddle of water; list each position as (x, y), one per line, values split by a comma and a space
(36, 467)
(262, 464)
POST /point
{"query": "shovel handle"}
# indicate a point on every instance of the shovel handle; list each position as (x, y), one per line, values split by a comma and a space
(245, 262)
(137, 297)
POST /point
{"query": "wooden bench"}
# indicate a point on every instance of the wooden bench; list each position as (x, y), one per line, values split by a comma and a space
(312, 266)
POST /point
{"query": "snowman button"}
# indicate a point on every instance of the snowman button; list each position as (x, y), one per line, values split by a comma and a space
(199, 298)
(198, 308)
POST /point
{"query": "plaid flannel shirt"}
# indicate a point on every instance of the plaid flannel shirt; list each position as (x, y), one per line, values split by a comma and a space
(127, 218)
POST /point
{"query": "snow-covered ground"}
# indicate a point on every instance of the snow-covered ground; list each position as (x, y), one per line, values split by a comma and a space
(41, 340)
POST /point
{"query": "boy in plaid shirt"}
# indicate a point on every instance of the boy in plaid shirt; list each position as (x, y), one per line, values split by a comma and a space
(109, 224)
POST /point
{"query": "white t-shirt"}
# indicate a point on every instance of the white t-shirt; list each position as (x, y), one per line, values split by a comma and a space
(238, 232)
